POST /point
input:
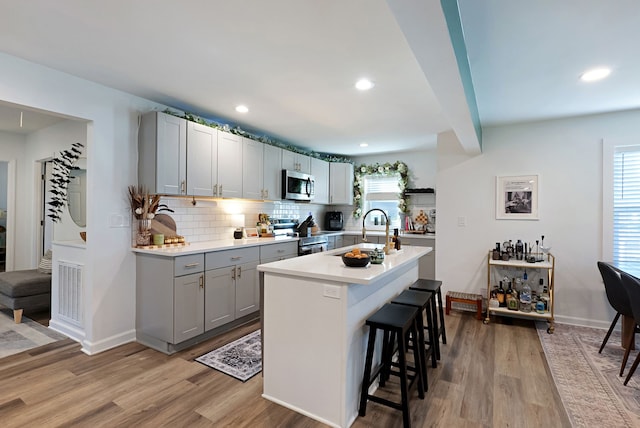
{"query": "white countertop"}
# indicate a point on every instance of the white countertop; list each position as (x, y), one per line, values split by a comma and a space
(381, 233)
(219, 245)
(227, 244)
(328, 266)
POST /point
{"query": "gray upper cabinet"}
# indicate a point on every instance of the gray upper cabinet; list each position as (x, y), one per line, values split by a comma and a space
(296, 162)
(229, 165)
(320, 172)
(202, 159)
(272, 173)
(252, 165)
(162, 153)
(340, 183)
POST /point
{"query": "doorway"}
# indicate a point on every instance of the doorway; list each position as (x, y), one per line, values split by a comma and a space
(4, 186)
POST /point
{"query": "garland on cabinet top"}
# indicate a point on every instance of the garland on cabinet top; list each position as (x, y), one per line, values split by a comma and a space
(62, 166)
(261, 138)
(386, 169)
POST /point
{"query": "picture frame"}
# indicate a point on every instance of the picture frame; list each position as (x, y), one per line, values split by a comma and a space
(517, 197)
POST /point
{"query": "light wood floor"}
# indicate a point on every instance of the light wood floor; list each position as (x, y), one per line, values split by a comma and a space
(490, 376)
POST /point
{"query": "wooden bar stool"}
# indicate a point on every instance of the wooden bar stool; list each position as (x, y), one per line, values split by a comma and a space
(399, 321)
(422, 301)
(433, 286)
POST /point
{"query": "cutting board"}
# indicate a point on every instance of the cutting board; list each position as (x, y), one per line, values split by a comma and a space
(163, 224)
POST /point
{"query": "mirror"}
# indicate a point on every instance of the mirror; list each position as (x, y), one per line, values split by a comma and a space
(77, 196)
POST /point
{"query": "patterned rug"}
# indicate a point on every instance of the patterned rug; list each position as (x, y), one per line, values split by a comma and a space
(240, 359)
(15, 338)
(591, 390)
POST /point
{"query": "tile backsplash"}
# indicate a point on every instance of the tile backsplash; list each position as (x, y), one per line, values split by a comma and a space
(210, 220)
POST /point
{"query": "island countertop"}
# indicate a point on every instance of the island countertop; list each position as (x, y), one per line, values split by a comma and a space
(328, 266)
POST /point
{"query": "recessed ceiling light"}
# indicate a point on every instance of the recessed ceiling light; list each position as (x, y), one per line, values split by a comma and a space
(364, 145)
(364, 84)
(595, 74)
(242, 109)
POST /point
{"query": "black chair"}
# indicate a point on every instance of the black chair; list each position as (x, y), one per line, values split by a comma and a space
(632, 286)
(397, 321)
(618, 299)
(433, 286)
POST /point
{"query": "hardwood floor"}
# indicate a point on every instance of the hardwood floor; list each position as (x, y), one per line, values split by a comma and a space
(490, 376)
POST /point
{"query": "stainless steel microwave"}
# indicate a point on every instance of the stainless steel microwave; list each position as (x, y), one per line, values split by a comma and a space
(297, 186)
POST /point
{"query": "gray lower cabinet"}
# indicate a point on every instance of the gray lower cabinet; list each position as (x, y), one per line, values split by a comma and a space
(188, 293)
(220, 300)
(238, 276)
(427, 265)
(274, 252)
(181, 300)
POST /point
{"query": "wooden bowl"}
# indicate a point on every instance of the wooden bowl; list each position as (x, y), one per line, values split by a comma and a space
(83, 235)
(354, 262)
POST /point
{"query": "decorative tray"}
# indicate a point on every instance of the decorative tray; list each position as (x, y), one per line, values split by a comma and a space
(159, 247)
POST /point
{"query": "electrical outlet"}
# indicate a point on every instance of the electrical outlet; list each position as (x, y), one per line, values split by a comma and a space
(462, 221)
(332, 291)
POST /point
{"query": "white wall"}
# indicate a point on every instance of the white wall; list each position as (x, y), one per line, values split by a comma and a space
(111, 164)
(567, 155)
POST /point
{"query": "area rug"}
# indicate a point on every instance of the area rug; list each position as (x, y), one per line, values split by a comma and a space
(15, 338)
(240, 359)
(588, 383)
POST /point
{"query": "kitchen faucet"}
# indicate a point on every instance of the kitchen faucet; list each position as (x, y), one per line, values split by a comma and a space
(386, 231)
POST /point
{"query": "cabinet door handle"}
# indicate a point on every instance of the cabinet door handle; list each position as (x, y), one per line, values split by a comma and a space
(215, 190)
(233, 273)
(183, 187)
(236, 257)
(191, 265)
(281, 251)
(239, 272)
(201, 281)
(266, 194)
(220, 190)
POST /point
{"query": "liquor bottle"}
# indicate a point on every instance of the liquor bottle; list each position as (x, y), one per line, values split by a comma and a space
(512, 299)
(519, 250)
(525, 298)
(501, 296)
(396, 240)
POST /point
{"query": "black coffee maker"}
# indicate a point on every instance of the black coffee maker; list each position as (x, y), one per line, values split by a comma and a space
(333, 220)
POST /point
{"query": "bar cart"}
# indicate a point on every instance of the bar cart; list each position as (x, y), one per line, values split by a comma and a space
(546, 266)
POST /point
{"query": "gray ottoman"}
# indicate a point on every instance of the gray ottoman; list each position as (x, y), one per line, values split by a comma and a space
(25, 289)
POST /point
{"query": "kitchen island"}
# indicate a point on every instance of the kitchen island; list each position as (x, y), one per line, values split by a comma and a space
(314, 333)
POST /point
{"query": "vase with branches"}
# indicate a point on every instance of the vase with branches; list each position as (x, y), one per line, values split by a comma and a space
(143, 208)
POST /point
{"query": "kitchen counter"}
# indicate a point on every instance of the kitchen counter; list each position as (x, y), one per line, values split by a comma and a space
(219, 245)
(314, 333)
(328, 266)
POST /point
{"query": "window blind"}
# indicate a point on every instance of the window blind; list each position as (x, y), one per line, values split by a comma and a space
(381, 188)
(626, 207)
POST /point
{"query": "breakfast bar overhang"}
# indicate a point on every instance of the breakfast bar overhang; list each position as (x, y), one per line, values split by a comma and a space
(314, 333)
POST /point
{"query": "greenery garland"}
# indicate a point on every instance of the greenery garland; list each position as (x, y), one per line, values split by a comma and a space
(386, 169)
(261, 138)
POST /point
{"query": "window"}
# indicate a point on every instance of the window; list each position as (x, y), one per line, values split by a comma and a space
(382, 192)
(626, 207)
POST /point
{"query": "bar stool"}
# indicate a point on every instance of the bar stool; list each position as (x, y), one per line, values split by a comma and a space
(399, 321)
(422, 301)
(433, 286)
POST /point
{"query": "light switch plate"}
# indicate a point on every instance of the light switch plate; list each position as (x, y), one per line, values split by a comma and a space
(462, 221)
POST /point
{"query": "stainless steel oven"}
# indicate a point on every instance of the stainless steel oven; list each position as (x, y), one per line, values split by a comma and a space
(312, 244)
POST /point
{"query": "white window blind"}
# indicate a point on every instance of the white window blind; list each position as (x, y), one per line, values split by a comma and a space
(382, 192)
(626, 207)
(381, 188)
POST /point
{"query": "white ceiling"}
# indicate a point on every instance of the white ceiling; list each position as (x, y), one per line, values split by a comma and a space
(294, 62)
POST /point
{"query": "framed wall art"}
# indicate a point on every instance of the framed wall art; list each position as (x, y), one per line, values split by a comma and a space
(517, 197)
